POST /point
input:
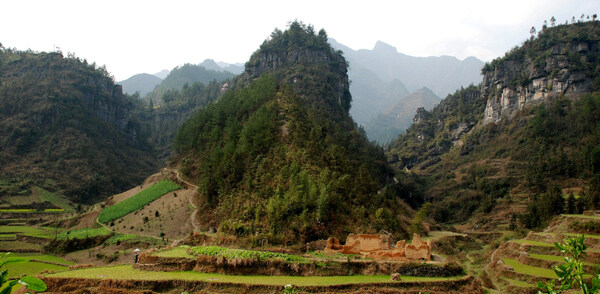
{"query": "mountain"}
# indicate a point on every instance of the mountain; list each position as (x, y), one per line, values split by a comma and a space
(186, 74)
(66, 127)
(160, 123)
(222, 66)
(278, 155)
(530, 129)
(162, 74)
(443, 75)
(386, 127)
(142, 83)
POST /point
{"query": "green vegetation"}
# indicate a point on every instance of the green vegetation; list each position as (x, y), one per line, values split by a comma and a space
(6, 285)
(137, 201)
(169, 107)
(19, 246)
(518, 283)
(529, 270)
(241, 253)
(127, 272)
(180, 251)
(45, 258)
(277, 153)
(467, 168)
(83, 123)
(84, 233)
(571, 272)
(533, 243)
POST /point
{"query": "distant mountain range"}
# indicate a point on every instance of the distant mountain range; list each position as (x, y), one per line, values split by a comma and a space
(386, 126)
(374, 72)
(145, 83)
(382, 79)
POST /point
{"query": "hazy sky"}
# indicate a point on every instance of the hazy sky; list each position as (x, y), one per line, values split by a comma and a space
(132, 37)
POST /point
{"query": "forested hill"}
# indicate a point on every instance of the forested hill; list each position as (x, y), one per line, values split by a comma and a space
(65, 126)
(531, 128)
(187, 74)
(279, 156)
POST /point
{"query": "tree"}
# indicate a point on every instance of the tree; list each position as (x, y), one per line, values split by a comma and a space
(594, 17)
(571, 271)
(532, 32)
(552, 21)
(31, 283)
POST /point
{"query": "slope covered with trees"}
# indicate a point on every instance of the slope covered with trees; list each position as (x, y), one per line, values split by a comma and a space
(65, 126)
(278, 155)
(530, 129)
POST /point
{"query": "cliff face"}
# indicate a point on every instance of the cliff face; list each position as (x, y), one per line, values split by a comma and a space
(561, 61)
(65, 121)
(299, 63)
(435, 132)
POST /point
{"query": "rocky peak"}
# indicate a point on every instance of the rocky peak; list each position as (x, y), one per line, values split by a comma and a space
(561, 61)
(305, 61)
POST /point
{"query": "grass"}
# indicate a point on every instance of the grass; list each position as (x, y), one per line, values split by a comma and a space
(7, 236)
(53, 198)
(529, 270)
(136, 202)
(32, 268)
(127, 272)
(46, 258)
(434, 235)
(534, 243)
(84, 233)
(570, 235)
(18, 245)
(554, 258)
(519, 283)
(44, 232)
(180, 251)
(18, 210)
(583, 216)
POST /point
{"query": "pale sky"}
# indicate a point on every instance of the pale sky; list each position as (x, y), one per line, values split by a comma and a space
(131, 37)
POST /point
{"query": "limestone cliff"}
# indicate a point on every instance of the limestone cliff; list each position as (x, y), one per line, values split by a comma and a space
(562, 60)
(65, 125)
(305, 65)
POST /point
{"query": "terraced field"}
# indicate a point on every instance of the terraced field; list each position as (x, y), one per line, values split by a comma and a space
(523, 262)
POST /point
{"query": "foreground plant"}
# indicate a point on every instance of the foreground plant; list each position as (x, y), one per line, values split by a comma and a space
(571, 272)
(289, 289)
(31, 283)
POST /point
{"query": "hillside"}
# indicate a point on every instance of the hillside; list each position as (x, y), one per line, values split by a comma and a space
(386, 127)
(528, 130)
(65, 126)
(279, 157)
(160, 122)
(384, 64)
(142, 83)
(182, 75)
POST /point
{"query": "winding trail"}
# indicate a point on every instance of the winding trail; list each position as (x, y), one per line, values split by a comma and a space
(195, 226)
(191, 193)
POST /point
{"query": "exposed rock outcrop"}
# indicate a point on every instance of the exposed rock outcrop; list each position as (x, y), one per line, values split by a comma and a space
(546, 67)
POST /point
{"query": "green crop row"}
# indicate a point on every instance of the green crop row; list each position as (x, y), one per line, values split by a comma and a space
(136, 202)
(240, 253)
(83, 233)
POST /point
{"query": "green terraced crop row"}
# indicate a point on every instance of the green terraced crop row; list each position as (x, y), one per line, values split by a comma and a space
(84, 233)
(127, 272)
(137, 201)
(241, 253)
(529, 270)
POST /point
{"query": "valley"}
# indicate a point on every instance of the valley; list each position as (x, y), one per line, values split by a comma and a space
(263, 182)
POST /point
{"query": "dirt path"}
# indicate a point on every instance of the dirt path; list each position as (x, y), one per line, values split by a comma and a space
(195, 226)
